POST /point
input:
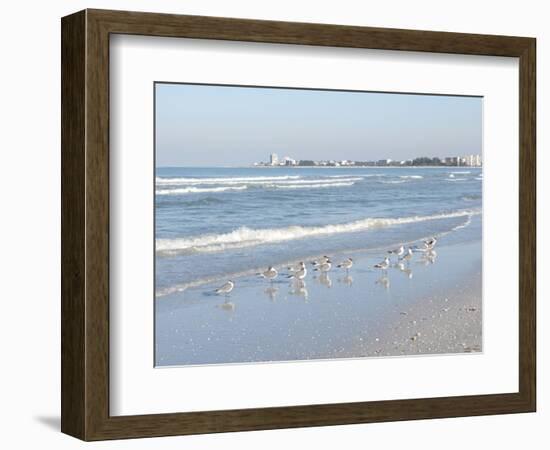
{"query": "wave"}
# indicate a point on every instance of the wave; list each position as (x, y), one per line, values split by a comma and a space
(461, 172)
(295, 184)
(195, 190)
(310, 186)
(225, 180)
(456, 179)
(191, 202)
(464, 224)
(306, 181)
(249, 237)
(347, 176)
(262, 182)
(416, 177)
(392, 181)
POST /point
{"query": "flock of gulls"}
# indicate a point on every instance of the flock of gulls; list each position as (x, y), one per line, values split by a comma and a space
(324, 264)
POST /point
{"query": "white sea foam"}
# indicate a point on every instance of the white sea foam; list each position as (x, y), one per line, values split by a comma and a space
(196, 190)
(306, 181)
(347, 176)
(259, 182)
(286, 184)
(249, 237)
(416, 177)
(224, 180)
(392, 181)
(461, 172)
(456, 179)
(464, 224)
(310, 186)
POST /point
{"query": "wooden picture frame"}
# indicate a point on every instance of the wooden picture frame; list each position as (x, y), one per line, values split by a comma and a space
(85, 224)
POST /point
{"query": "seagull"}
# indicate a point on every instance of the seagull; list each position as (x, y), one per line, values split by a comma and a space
(322, 260)
(270, 273)
(398, 251)
(407, 256)
(416, 248)
(384, 264)
(424, 248)
(301, 273)
(300, 265)
(226, 288)
(430, 243)
(347, 264)
(324, 267)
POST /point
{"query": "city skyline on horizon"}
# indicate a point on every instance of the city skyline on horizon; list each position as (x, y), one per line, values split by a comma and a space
(229, 126)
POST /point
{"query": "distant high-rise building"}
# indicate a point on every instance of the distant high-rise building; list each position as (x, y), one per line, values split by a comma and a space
(288, 161)
(274, 159)
(452, 161)
(472, 160)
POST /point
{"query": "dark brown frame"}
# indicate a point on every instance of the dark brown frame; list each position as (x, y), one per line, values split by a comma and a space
(85, 224)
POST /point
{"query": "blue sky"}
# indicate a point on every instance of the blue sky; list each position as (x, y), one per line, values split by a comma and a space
(200, 125)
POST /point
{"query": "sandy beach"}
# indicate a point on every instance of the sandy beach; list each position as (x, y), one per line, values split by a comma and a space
(427, 306)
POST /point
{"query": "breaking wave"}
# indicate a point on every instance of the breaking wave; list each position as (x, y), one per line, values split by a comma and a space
(310, 186)
(262, 181)
(249, 237)
(196, 190)
(267, 184)
(392, 181)
(225, 180)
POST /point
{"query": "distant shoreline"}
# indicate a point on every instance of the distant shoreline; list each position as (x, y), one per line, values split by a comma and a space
(319, 167)
(362, 167)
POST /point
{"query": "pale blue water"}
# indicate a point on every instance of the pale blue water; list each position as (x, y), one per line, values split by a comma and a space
(215, 223)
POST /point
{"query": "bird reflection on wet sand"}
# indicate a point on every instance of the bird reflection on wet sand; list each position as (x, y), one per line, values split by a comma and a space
(325, 280)
(347, 280)
(227, 306)
(384, 281)
(271, 293)
(428, 258)
(404, 269)
(298, 288)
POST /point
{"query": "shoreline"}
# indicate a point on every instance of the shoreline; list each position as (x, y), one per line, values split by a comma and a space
(424, 308)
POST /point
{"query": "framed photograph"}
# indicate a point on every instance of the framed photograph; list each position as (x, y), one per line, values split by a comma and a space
(273, 225)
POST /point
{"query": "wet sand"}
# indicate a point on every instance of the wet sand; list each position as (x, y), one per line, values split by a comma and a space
(437, 323)
(428, 306)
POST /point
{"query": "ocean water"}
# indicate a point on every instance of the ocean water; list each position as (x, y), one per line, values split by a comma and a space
(214, 224)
